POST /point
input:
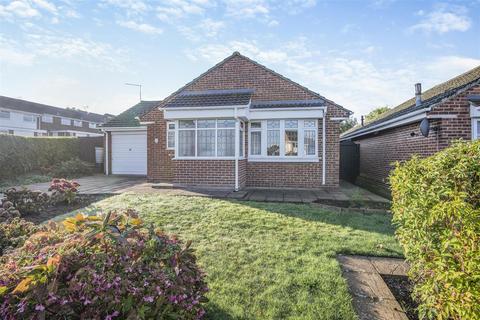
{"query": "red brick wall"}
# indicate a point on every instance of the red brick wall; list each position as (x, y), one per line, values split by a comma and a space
(204, 172)
(379, 151)
(239, 72)
(159, 159)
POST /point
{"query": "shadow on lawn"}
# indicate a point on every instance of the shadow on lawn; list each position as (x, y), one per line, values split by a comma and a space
(215, 312)
(378, 223)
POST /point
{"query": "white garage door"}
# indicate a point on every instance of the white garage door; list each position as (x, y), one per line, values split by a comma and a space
(129, 152)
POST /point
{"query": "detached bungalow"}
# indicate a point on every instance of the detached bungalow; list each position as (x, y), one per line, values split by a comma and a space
(237, 125)
(422, 125)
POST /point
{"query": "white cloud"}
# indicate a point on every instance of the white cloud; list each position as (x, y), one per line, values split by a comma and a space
(48, 6)
(141, 27)
(211, 27)
(37, 47)
(131, 5)
(171, 10)
(9, 54)
(444, 19)
(18, 8)
(247, 8)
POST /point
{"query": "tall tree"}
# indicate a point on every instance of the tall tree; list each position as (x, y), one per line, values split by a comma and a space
(347, 124)
(375, 113)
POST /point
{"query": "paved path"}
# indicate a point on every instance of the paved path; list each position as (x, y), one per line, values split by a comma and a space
(101, 184)
(97, 184)
(372, 299)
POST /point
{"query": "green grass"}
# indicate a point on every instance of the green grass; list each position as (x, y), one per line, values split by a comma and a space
(268, 260)
(24, 180)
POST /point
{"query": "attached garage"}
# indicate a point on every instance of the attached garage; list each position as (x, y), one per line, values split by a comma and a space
(129, 152)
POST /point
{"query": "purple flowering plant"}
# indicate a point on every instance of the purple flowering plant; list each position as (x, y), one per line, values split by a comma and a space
(101, 267)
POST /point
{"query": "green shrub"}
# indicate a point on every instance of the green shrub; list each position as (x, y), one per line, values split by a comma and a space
(19, 155)
(71, 168)
(436, 205)
(107, 267)
(14, 233)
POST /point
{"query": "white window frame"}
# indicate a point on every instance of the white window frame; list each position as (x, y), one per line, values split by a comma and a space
(63, 121)
(5, 112)
(475, 128)
(29, 118)
(174, 134)
(301, 157)
(196, 157)
(92, 125)
(77, 123)
(47, 118)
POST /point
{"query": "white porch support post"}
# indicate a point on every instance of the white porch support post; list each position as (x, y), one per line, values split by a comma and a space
(106, 154)
(237, 146)
(324, 147)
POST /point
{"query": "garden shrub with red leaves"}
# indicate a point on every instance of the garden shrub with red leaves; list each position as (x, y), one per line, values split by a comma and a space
(101, 267)
(63, 190)
(27, 201)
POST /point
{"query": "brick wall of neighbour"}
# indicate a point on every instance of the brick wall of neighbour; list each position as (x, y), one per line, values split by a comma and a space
(379, 151)
(219, 173)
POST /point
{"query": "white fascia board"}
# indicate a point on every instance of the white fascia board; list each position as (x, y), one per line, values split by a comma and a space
(142, 128)
(402, 120)
(286, 113)
(205, 112)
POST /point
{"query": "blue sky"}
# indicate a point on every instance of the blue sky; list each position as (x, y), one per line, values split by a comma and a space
(361, 54)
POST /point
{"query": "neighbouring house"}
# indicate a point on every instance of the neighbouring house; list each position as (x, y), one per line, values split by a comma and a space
(26, 118)
(237, 125)
(450, 111)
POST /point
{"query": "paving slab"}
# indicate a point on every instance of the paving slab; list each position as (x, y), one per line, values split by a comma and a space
(372, 299)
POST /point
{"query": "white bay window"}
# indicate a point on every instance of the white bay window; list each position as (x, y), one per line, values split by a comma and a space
(206, 138)
(289, 139)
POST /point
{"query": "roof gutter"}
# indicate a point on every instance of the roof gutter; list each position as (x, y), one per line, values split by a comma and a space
(404, 119)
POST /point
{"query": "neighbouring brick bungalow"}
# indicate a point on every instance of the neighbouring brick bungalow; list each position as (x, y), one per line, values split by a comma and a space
(237, 125)
(452, 110)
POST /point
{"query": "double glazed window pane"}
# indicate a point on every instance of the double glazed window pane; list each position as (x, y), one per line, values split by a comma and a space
(186, 124)
(291, 142)
(171, 139)
(225, 143)
(273, 142)
(186, 143)
(309, 142)
(256, 143)
(206, 143)
(227, 123)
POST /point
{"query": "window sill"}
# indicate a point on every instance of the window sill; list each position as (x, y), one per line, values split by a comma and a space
(282, 159)
(207, 158)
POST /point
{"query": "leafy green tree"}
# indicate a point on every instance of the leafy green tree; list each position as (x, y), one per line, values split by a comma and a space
(375, 113)
(348, 124)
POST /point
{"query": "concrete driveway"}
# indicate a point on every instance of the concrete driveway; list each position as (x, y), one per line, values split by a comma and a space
(98, 184)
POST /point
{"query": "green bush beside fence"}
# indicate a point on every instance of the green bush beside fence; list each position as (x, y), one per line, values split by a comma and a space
(436, 206)
(19, 155)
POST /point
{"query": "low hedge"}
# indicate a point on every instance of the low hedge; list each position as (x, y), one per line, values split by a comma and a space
(436, 206)
(19, 155)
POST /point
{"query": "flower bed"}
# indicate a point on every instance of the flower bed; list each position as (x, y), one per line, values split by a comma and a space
(92, 267)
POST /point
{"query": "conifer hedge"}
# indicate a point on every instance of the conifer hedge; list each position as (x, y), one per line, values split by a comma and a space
(20, 155)
(436, 206)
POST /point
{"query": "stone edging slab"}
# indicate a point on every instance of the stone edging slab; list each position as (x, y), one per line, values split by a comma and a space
(371, 297)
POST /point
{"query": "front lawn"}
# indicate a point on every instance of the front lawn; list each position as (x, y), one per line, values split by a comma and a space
(268, 260)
